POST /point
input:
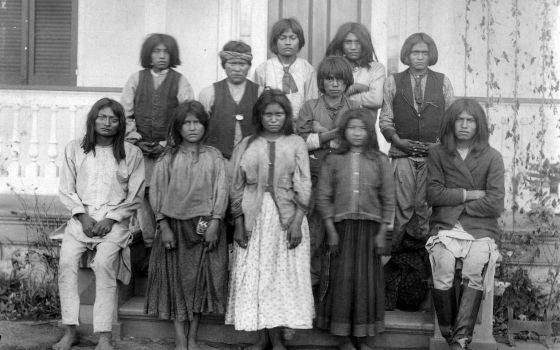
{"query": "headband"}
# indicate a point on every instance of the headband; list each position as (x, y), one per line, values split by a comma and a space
(228, 55)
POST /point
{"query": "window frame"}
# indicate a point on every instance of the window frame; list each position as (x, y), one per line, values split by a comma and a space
(27, 78)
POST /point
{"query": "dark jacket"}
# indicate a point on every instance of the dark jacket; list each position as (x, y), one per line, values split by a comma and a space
(373, 196)
(449, 174)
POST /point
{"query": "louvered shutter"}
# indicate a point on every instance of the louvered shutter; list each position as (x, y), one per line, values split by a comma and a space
(52, 53)
(13, 36)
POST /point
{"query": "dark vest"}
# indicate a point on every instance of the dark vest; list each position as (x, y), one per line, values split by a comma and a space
(222, 124)
(423, 125)
(153, 108)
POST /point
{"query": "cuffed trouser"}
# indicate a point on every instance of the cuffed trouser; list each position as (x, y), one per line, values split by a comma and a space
(410, 183)
(104, 267)
(443, 265)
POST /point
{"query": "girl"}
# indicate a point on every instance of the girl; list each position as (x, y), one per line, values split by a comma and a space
(353, 41)
(356, 199)
(317, 124)
(286, 71)
(189, 196)
(270, 285)
(149, 98)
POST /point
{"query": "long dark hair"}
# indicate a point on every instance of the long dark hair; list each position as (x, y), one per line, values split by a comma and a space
(371, 148)
(447, 131)
(180, 113)
(154, 40)
(268, 97)
(90, 139)
(360, 31)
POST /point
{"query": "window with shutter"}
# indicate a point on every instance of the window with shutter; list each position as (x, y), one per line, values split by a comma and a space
(38, 42)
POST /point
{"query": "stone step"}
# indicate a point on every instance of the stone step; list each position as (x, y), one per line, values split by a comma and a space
(402, 329)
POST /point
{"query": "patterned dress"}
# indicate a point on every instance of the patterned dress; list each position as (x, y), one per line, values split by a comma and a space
(270, 285)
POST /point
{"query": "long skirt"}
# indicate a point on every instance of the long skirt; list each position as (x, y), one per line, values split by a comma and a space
(188, 279)
(270, 285)
(353, 301)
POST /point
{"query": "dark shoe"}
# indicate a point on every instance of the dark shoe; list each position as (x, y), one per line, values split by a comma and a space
(466, 316)
(445, 304)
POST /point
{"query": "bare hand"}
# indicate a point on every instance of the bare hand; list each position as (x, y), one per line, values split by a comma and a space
(333, 242)
(475, 194)
(318, 128)
(211, 234)
(239, 235)
(87, 224)
(409, 146)
(294, 234)
(103, 227)
(357, 88)
(150, 149)
(381, 239)
(167, 236)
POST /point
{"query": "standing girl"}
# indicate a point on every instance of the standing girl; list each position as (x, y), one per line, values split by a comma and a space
(286, 71)
(270, 285)
(188, 266)
(353, 41)
(318, 125)
(356, 199)
(149, 98)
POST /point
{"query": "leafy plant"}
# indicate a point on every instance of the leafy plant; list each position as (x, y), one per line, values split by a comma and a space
(31, 291)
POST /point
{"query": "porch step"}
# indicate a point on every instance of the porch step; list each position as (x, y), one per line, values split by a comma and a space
(402, 329)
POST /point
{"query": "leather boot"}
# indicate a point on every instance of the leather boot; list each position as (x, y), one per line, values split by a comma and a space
(466, 316)
(445, 304)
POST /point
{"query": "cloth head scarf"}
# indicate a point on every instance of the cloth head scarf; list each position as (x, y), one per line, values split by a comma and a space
(228, 55)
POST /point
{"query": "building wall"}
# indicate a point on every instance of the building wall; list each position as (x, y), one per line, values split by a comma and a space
(504, 53)
(111, 33)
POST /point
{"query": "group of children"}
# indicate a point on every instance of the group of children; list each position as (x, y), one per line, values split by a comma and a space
(305, 192)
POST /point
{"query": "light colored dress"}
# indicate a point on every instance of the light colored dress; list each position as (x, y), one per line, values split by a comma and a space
(270, 285)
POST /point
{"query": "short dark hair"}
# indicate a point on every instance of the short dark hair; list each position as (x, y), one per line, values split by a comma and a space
(334, 67)
(417, 38)
(90, 138)
(362, 33)
(371, 149)
(235, 46)
(179, 115)
(268, 97)
(280, 27)
(150, 44)
(447, 131)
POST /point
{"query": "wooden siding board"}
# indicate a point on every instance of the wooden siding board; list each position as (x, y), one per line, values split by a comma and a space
(320, 39)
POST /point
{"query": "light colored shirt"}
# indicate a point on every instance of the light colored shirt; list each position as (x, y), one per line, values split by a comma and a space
(184, 92)
(270, 74)
(374, 77)
(186, 184)
(101, 187)
(207, 98)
